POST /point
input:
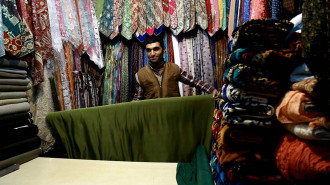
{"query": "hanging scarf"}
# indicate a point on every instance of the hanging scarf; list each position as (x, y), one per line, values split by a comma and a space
(180, 15)
(135, 6)
(106, 20)
(127, 21)
(173, 16)
(166, 13)
(150, 16)
(117, 15)
(201, 14)
(2, 46)
(259, 9)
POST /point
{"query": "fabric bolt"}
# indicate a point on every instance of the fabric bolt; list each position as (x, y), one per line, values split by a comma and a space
(78, 89)
(135, 6)
(173, 14)
(207, 69)
(6, 88)
(42, 39)
(186, 15)
(197, 55)
(10, 135)
(166, 13)
(303, 131)
(150, 11)
(165, 55)
(13, 63)
(72, 23)
(306, 86)
(290, 110)
(170, 48)
(62, 22)
(106, 19)
(126, 31)
(158, 13)
(201, 14)
(2, 45)
(12, 101)
(13, 70)
(15, 118)
(276, 9)
(190, 61)
(142, 18)
(192, 20)
(7, 126)
(14, 108)
(12, 75)
(68, 71)
(259, 9)
(20, 159)
(124, 79)
(246, 11)
(99, 7)
(95, 51)
(302, 161)
(84, 25)
(184, 64)
(19, 147)
(12, 95)
(107, 60)
(117, 15)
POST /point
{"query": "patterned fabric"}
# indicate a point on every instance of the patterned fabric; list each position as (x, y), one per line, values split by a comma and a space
(106, 20)
(170, 48)
(173, 16)
(201, 14)
(215, 27)
(207, 69)
(2, 45)
(221, 12)
(190, 54)
(42, 39)
(124, 79)
(107, 60)
(166, 15)
(209, 14)
(68, 57)
(127, 21)
(186, 15)
(117, 14)
(259, 9)
(72, 23)
(276, 9)
(158, 13)
(11, 27)
(135, 6)
(99, 7)
(192, 20)
(142, 18)
(62, 20)
(184, 64)
(150, 16)
(246, 11)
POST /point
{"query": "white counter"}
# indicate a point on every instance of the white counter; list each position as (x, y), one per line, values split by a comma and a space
(57, 171)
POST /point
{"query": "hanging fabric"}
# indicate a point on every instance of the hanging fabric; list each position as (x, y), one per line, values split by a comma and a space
(2, 46)
(150, 4)
(117, 12)
(201, 14)
(180, 15)
(126, 31)
(173, 16)
(106, 20)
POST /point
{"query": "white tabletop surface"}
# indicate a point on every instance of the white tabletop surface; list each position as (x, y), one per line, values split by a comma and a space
(57, 171)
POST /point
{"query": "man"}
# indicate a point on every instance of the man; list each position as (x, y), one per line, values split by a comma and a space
(159, 79)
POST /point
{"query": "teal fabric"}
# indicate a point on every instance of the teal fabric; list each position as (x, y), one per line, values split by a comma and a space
(156, 130)
(197, 172)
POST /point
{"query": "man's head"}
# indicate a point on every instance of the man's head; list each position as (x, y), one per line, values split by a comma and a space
(155, 49)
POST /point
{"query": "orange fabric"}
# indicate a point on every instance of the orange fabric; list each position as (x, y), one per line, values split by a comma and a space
(59, 89)
(300, 160)
(68, 57)
(290, 110)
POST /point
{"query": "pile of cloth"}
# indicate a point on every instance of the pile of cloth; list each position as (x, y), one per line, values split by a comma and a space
(260, 59)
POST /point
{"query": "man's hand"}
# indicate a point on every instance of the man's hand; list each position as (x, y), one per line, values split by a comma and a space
(215, 93)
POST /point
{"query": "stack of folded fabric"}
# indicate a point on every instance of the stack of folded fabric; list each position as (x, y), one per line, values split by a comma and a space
(19, 141)
(245, 130)
(303, 153)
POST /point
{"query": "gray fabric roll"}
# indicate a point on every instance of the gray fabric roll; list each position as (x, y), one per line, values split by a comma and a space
(11, 75)
(14, 81)
(12, 95)
(14, 108)
(12, 101)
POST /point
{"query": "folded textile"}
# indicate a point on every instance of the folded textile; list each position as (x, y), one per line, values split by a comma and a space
(13, 63)
(197, 172)
(19, 147)
(303, 131)
(12, 101)
(291, 110)
(21, 158)
(252, 78)
(10, 135)
(6, 88)
(18, 123)
(13, 70)
(260, 111)
(14, 108)
(301, 73)
(269, 33)
(307, 86)
(303, 161)
(15, 117)
(13, 81)
(234, 94)
(11, 75)
(12, 95)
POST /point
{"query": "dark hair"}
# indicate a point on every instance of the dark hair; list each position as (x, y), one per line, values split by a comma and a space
(153, 39)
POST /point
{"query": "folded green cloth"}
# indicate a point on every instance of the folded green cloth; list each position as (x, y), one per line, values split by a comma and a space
(198, 172)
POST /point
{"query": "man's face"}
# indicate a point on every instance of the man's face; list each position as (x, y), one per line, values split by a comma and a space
(155, 52)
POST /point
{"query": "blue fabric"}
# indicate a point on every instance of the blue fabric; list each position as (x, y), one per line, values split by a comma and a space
(246, 11)
(2, 46)
(159, 30)
(165, 56)
(276, 8)
(300, 73)
(145, 58)
(236, 14)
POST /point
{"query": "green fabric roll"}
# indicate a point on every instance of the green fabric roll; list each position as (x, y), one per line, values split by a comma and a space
(197, 172)
(156, 130)
(11, 75)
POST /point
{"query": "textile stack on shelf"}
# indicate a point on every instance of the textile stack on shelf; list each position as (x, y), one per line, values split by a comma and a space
(18, 135)
(259, 61)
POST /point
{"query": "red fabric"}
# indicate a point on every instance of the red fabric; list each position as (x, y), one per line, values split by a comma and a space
(209, 15)
(300, 160)
(170, 48)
